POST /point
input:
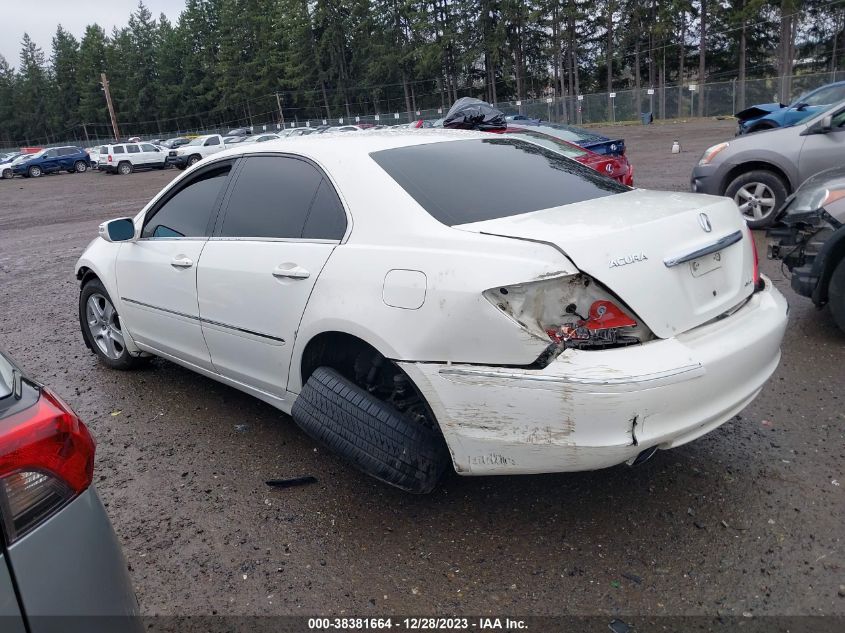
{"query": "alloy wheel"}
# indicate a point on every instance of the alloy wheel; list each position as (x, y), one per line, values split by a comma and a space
(756, 200)
(104, 326)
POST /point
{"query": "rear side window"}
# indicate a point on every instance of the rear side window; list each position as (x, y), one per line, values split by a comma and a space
(187, 213)
(104, 149)
(118, 149)
(213, 141)
(271, 198)
(327, 219)
(132, 149)
(465, 181)
(67, 151)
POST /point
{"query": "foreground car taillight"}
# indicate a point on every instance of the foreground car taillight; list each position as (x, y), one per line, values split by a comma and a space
(570, 311)
(46, 459)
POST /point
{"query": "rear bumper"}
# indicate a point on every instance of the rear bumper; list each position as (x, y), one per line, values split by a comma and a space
(590, 410)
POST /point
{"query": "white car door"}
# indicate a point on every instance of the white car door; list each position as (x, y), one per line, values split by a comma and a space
(151, 154)
(157, 274)
(282, 219)
(136, 157)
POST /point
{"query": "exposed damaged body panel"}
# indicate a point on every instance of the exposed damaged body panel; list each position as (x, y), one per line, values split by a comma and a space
(589, 410)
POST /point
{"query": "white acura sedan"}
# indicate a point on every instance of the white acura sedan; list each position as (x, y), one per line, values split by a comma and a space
(415, 299)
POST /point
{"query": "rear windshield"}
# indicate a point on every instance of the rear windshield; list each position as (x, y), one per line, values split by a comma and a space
(465, 181)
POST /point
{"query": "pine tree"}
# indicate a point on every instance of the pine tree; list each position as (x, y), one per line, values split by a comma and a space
(32, 86)
(64, 101)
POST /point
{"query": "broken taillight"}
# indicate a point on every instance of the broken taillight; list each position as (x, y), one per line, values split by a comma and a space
(570, 311)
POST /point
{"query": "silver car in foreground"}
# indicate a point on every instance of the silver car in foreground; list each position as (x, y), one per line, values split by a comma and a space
(61, 567)
(759, 171)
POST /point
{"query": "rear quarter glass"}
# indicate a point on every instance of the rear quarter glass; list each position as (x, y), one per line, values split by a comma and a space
(458, 182)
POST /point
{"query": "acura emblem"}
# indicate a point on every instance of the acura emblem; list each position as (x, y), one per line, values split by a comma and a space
(704, 221)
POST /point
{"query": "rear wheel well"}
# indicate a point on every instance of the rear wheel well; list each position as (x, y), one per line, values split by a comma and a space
(337, 350)
(363, 364)
(744, 168)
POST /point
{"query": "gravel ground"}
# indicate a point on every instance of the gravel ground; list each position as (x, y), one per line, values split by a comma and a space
(747, 520)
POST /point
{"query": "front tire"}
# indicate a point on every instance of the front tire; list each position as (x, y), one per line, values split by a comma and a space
(836, 295)
(80, 167)
(102, 328)
(7, 174)
(193, 160)
(369, 433)
(758, 194)
(34, 172)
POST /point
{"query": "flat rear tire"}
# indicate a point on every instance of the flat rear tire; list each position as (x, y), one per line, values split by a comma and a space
(369, 433)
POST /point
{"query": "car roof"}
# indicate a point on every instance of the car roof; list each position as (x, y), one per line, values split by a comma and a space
(334, 146)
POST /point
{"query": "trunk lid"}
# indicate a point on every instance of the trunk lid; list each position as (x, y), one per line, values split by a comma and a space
(625, 240)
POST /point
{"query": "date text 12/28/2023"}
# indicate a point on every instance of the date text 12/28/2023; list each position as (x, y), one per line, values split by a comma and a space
(416, 624)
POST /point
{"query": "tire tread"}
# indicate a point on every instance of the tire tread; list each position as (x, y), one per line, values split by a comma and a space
(369, 433)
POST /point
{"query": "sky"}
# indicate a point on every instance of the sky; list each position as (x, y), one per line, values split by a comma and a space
(40, 19)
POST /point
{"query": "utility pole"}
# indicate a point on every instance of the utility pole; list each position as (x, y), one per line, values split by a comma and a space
(105, 83)
(85, 129)
(281, 113)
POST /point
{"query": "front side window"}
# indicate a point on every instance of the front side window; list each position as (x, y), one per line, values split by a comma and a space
(148, 148)
(458, 182)
(188, 211)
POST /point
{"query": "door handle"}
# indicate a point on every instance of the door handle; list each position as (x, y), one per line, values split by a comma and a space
(290, 271)
(181, 261)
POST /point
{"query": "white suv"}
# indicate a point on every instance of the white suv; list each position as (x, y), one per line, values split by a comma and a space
(127, 157)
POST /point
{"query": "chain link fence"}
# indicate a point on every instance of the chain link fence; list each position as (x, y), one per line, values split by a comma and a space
(671, 102)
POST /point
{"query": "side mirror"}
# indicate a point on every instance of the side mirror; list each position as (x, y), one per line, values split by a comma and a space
(121, 230)
(822, 126)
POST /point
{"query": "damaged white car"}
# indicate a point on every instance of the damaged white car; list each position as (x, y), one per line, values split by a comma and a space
(418, 300)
